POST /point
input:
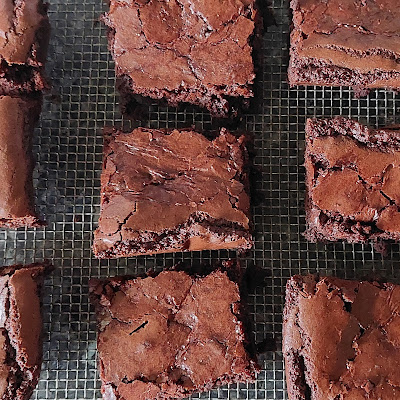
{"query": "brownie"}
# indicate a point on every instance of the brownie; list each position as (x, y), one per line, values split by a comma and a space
(345, 43)
(197, 52)
(20, 329)
(24, 38)
(165, 191)
(341, 339)
(168, 336)
(352, 181)
(18, 117)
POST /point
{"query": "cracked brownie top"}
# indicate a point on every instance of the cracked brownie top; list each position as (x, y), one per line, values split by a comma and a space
(168, 336)
(165, 190)
(356, 34)
(341, 339)
(169, 47)
(23, 29)
(353, 178)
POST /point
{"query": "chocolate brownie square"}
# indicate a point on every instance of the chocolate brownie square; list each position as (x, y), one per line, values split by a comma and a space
(345, 43)
(20, 329)
(18, 117)
(341, 339)
(197, 52)
(168, 336)
(24, 38)
(165, 191)
(352, 181)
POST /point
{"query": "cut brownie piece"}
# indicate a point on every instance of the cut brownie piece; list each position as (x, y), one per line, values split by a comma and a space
(345, 43)
(20, 329)
(24, 38)
(165, 191)
(341, 339)
(168, 336)
(352, 181)
(197, 52)
(18, 117)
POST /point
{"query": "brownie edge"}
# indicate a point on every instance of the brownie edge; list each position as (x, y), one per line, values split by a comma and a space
(21, 329)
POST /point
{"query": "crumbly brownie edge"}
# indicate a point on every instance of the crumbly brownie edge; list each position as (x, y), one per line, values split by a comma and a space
(17, 79)
(295, 368)
(312, 72)
(177, 239)
(22, 382)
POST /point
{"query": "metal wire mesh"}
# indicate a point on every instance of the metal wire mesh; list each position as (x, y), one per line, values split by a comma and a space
(69, 151)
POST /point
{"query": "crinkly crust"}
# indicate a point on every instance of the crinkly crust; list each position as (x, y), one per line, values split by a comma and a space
(165, 191)
(190, 51)
(345, 43)
(167, 336)
(341, 339)
(352, 180)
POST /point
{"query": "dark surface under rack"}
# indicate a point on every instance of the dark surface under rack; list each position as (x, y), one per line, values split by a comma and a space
(69, 152)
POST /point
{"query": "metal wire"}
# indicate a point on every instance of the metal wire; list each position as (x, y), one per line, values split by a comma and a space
(69, 151)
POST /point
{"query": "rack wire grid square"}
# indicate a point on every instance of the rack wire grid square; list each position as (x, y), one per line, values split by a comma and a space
(68, 148)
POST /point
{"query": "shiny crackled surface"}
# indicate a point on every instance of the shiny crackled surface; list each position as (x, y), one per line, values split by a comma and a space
(171, 45)
(157, 181)
(169, 335)
(342, 338)
(351, 177)
(362, 36)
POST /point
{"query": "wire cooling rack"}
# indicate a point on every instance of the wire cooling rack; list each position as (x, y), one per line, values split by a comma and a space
(68, 149)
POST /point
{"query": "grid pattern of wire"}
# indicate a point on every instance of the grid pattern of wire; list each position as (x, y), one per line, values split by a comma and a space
(69, 152)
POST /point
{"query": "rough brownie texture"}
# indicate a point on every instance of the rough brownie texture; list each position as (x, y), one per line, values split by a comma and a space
(168, 336)
(191, 51)
(20, 329)
(352, 180)
(18, 117)
(345, 43)
(164, 191)
(24, 37)
(341, 339)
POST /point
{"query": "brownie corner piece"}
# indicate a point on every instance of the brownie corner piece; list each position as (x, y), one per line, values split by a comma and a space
(18, 116)
(185, 52)
(166, 191)
(23, 48)
(354, 43)
(170, 335)
(21, 329)
(341, 339)
(352, 180)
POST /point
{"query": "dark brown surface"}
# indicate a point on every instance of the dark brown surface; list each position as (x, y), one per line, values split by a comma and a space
(345, 43)
(18, 117)
(197, 52)
(20, 329)
(24, 37)
(341, 339)
(168, 336)
(165, 191)
(352, 180)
